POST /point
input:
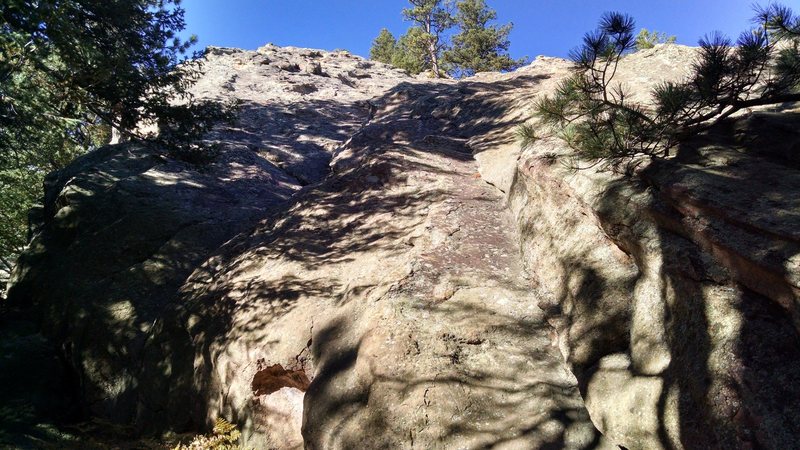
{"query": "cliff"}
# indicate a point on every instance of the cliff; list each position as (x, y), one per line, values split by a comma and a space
(370, 260)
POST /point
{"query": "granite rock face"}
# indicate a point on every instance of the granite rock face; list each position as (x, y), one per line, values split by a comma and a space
(123, 227)
(675, 293)
(372, 261)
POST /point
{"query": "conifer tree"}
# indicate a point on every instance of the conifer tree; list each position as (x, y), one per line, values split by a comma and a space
(384, 47)
(72, 69)
(480, 46)
(433, 18)
(411, 52)
(118, 60)
(596, 118)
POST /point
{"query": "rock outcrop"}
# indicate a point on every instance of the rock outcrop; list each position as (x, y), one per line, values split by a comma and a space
(372, 261)
(675, 293)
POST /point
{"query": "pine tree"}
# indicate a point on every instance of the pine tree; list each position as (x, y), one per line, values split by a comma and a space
(72, 69)
(117, 60)
(479, 46)
(596, 118)
(411, 52)
(648, 39)
(384, 47)
(433, 18)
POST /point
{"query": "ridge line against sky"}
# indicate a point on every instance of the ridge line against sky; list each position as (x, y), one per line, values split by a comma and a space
(541, 27)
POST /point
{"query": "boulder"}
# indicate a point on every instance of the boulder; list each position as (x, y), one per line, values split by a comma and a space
(674, 293)
(376, 263)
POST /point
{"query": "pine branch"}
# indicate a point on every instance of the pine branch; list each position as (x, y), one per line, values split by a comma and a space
(598, 121)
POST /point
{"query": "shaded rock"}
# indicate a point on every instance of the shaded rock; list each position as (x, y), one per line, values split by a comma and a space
(377, 264)
(36, 383)
(139, 223)
(305, 88)
(344, 286)
(112, 312)
(660, 286)
(291, 67)
(315, 68)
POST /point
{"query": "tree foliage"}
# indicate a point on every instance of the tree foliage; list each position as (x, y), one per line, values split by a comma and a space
(408, 53)
(480, 46)
(648, 39)
(384, 47)
(433, 18)
(70, 70)
(411, 53)
(118, 61)
(597, 119)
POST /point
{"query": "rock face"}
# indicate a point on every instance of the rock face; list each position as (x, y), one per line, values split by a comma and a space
(372, 262)
(671, 308)
(125, 226)
(675, 294)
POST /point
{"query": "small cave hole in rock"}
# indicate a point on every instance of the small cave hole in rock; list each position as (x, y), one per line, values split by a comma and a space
(274, 378)
(278, 402)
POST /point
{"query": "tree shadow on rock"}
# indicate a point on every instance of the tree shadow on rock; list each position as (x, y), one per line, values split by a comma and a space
(722, 227)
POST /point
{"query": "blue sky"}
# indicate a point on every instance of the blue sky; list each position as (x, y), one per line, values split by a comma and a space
(541, 27)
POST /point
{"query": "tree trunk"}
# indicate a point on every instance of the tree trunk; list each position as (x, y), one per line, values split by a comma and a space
(433, 41)
(434, 59)
(116, 136)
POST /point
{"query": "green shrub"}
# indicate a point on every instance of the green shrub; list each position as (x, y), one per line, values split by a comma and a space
(648, 39)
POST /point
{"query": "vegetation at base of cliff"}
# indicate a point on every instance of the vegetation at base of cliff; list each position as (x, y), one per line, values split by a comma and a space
(478, 46)
(72, 70)
(225, 436)
(594, 115)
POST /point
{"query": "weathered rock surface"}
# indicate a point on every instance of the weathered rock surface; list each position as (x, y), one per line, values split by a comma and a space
(395, 286)
(373, 262)
(123, 227)
(675, 294)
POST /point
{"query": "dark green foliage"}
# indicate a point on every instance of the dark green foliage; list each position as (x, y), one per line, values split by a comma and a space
(116, 60)
(384, 47)
(479, 46)
(782, 25)
(180, 129)
(408, 53)
(411, 53)
(648, 39)
(598, 121)
(526, 134)
(72, 69)
(39, 133)
(433, 18)
(779, 21)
